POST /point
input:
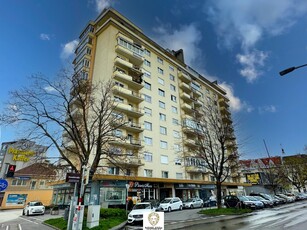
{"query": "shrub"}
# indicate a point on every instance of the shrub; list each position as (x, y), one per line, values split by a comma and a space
(112, 212)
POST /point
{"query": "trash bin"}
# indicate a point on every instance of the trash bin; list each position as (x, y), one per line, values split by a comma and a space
(66, 213)
(55, 210)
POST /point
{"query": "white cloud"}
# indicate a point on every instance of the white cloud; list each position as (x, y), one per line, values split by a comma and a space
(187, 37)
(102, 4)
(247, 22)
(251, 63)
(45, 37)
(234, 102)
(68, 49)
(267, 109)
(49, 89)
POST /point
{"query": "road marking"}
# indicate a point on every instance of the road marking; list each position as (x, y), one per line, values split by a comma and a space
(19, 227)
(7, 227)
(37, 219)
(28, 220)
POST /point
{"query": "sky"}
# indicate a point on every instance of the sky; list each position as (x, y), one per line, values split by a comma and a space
(243, 44)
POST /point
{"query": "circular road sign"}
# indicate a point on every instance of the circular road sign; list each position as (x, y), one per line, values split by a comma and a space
(3, 184)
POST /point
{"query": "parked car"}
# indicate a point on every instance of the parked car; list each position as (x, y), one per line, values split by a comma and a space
(246, 203)
(170, 204)
(211, 202)
(287, 198)
(267, 203)
(34, 207)
(137, 212)
(259, 204)
(193, 203)
(231, 201)
(281, 200)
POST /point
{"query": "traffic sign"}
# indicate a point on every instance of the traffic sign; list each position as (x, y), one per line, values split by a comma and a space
(3, 184)
(73, 177)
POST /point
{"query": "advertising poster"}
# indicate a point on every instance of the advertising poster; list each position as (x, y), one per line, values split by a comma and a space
(16, 199)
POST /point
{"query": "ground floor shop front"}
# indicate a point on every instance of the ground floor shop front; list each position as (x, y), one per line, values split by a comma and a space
(116, 192)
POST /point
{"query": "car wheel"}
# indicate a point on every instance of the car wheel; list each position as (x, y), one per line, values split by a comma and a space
(28, 213)
(169, 209)
(23, 212)
(192, 206)
(180, 208)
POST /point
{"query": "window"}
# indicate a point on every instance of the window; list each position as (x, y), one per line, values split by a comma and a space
(164, 174)
(133, 47)
(173, 98)
(147, 85)
(174, 109)
(161, 104)
(147, 52)
(128, 172)
(147, 111)
(147, 125)
(175, 121)
(41, 183)
(161, 81)
(147, 73)
(176, 134)
(161, 93)
(177, 161)
(160, 71)
(119, 84)
(148, 157)
(147, 63)
(118, 133)
(147, 98)
(32, 185)
(171, 68)
(173, 88)
(179, 176)
(163, 130)
(164, 159)
(176, 147)
(163, 144)
(162, 117)
(172, 77)
(118, 99)
(159, 60)
(113, 170)
(147, 172)
(148, 140)
(19, 182)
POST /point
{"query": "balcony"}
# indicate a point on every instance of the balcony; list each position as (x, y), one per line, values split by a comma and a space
(127, 109)
(134, 82)
(196, 93)
(195, 169)
(184, 77)
(133, 127)
(187, 108)
(127, 65)
(129, 143)
(131, 161)
(226, 119)
(190, 143)
(185, 87)
(186, 97)
(225, 111)
(131, 95)
(223, 103)
(135, 58)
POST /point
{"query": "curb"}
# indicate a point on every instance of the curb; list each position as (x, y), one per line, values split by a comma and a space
(120, 226)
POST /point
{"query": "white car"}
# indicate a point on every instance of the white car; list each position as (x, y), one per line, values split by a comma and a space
(34, 207)
(137, 212)
(170, 204)
(193, 203)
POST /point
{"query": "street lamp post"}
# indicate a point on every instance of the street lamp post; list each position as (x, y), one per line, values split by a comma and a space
(288, 70)
(127, 187)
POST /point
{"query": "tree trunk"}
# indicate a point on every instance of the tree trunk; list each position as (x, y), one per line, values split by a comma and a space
(219, 194)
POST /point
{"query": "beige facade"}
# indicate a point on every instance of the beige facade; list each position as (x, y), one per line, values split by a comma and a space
(157, 93)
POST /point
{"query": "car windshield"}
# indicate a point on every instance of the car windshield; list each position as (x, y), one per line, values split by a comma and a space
(141, 206)
(165, 201)
(35, 204)
(189, 200)
(242, 198)
(252, 198)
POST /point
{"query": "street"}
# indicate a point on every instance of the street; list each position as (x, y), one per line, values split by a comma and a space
(13, 220)
(289, 216)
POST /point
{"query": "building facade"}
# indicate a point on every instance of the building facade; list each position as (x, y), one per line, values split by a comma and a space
(159, 96)
(30, 181)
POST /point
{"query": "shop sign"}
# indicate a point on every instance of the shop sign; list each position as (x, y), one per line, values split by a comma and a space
(137, 184)
(21, 155)
(73, 177)
(253, 178)
(187, 185)
(23, 178)
(208, 186)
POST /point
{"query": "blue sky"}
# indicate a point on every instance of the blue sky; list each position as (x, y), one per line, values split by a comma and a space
(243, 44)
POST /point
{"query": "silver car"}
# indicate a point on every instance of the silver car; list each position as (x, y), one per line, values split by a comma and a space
(193, 203)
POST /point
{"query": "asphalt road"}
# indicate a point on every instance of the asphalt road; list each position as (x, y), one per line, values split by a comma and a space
(13, 220)
(290, 216)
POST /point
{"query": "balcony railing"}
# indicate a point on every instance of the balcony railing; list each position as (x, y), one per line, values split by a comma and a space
(132, 96)
(134, 82)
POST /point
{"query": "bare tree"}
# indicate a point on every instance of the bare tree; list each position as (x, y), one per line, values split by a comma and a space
(294, 169)
(70, 113)
(216, 144)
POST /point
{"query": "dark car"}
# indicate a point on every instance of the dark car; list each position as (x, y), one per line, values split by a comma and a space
(232, 201)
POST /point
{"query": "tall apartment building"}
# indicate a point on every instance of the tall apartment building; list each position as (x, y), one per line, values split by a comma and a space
(158, 93)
